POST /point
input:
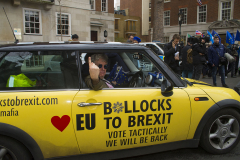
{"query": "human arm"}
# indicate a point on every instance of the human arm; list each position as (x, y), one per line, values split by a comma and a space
(100, 85)
(168, 50)
(94, 71)
(93, 81)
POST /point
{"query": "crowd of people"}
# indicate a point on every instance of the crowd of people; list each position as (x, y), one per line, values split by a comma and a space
(201, 58)
(197, 59)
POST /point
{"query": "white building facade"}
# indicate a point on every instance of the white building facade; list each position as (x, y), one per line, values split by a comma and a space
(39, 21)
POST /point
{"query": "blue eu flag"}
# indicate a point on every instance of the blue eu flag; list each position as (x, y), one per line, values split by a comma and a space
(211, 37)
(233, 38)
(120, 77)
(229, 38)
(237, 36)
(215, 34)
(112, 73)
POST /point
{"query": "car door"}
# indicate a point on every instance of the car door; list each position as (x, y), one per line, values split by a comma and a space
(39, 102)
(121, 118)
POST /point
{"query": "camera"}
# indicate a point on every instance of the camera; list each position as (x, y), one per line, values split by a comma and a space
(235, 47)
(195, 39)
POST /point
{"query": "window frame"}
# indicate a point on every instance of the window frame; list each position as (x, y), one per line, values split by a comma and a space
(24, 67)
(220, 9)
(40, 21)
(106, 6)
(201, 12)
(116, 20)
(184, 15)
(133, 67)
(166, 17)
(69, 24)
(94, 5)
(133, 24)
(167, 1)
(34, 60)
(165, 38)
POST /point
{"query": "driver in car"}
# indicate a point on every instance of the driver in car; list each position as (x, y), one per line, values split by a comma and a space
(97, 69)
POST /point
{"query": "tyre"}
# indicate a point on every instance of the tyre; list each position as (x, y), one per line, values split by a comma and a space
(13, 150)
(221, 133)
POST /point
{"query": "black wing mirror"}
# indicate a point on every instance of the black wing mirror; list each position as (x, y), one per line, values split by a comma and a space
(166, 87)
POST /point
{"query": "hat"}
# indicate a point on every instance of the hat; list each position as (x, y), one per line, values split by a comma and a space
(137, 39)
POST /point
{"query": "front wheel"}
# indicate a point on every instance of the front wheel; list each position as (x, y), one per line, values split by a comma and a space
(221, 134)
(12, 150)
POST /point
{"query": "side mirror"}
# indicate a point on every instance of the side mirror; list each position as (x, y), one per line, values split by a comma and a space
(166, 87)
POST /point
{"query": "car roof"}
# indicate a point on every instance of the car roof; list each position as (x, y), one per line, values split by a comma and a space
(33, 46)
(152, 42)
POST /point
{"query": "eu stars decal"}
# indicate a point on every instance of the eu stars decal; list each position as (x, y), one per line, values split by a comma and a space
(117, 107)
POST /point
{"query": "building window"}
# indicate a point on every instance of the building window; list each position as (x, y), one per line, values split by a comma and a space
(63, 24)
(202, 13)
(34, 61)
(149, 15)
(166, 39)
(131, 25)
(184, 11)
(167, 1)
(92, 4)
(116, 23)
(116, 35)
(226, 10)
(32, 21)
(104, 5)
(166, 18)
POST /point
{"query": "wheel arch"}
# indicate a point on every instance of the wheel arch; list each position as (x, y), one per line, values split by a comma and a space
(22, 137)
(227, 103)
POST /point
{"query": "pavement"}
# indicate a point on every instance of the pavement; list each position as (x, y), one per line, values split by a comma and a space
(231, 82)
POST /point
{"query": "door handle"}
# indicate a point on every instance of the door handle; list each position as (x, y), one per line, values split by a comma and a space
(88, 104)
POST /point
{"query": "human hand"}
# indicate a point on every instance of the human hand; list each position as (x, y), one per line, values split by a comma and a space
(173, 44)
(176, 58)
(114, 82)
(201, 54)
(94, 71)
(213, 65)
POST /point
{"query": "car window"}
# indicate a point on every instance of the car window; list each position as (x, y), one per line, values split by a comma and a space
(155, 49)
(134, 67)
(161, 45)
(31, 70)
(57, 58)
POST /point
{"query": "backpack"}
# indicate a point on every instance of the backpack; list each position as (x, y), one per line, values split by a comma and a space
(189, 56)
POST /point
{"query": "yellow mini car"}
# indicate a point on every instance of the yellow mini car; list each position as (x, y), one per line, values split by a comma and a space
(52, 113)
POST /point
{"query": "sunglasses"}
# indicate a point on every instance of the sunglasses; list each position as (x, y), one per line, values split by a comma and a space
(100, 66)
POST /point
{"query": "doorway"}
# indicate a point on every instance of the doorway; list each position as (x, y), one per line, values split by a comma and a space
(94, 36)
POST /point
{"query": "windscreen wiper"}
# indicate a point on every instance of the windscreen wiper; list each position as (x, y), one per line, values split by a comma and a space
(190, 83)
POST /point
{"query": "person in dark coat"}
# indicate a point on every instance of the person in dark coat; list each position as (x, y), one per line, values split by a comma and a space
(207, 69)
(231, 67)
(213, 59)
(171, 52)
(198, 54)
(187, 68)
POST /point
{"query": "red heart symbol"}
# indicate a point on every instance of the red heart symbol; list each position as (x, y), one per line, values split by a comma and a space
(60, 123)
